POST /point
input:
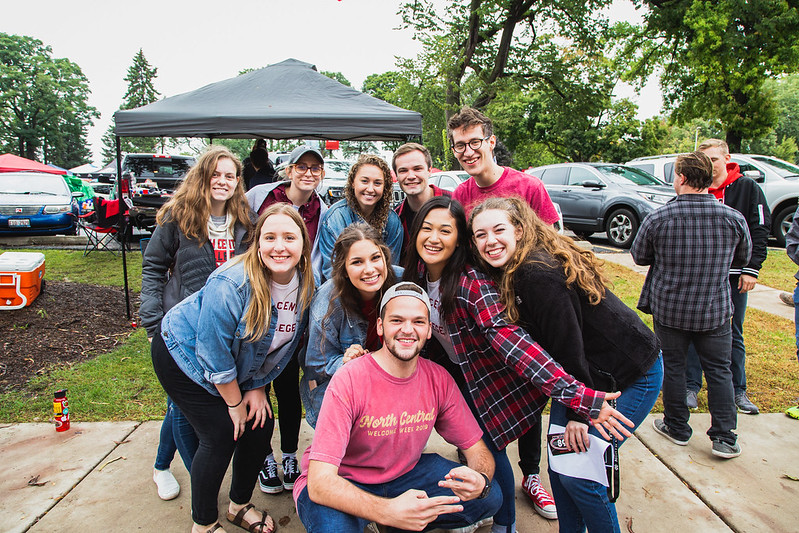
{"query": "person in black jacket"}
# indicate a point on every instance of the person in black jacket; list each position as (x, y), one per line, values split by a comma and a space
(745, 196)
(557, 292)
(205, 223)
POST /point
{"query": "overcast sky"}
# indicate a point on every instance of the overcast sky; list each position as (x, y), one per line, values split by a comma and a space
(200, 42)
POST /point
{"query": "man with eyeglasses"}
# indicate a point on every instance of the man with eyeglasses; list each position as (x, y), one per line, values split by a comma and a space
(305, 170)
(471, 136)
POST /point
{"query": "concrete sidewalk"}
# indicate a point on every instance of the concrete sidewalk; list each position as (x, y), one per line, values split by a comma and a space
(98, 477)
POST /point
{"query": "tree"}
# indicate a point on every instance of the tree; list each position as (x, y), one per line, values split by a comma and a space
(338, 76)
(716, 56)
(44, 114)
(141, 91)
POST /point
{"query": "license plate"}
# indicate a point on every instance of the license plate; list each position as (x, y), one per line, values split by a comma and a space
(19, 223)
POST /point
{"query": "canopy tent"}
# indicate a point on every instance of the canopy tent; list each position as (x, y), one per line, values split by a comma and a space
(287, 100)
(15, 163)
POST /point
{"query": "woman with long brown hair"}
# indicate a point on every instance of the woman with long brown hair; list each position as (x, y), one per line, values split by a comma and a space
(558, 293)
(367, 198)
(343, 323)
(204, 224)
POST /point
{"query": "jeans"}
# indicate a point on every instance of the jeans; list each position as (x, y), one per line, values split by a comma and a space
(713, 347)
(210, 418)
(425, 476)
(287, 391)
(530, 450)
(796, 317)
(583, 503)
(176, 435)
(693, 370)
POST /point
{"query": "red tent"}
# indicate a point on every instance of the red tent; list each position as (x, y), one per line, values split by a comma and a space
(15, 163)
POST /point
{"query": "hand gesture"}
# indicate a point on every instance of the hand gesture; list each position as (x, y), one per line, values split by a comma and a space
(610, 420)
(576, 436)
(353, 352)
(413, 510)
(258, 406)
(467, 484)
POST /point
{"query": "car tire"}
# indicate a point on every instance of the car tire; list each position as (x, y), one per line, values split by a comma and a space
(781, 223)
(621, 227)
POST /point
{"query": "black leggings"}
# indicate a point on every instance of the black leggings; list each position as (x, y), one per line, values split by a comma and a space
(208, 415)
(289, 405)
(530, 449)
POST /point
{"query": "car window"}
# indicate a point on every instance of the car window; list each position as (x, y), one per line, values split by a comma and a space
(580, 175)
(627, 175)
(668, 172)
(337, 167)
(152, 167)
(747, 167)
(553, 176)
(645, 167)
(33, 184)
(783, 168)
(448, 182)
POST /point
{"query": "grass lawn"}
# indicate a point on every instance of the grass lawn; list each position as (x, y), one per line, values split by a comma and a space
(121, 385)
(778, 271)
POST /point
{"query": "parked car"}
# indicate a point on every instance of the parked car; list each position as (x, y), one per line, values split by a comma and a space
(151, 179)
(448, 180)
(35, 203)
(332, 187)
(605, 197)
(778, 179)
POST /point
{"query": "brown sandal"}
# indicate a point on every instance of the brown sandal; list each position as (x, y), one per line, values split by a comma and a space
(252, 527)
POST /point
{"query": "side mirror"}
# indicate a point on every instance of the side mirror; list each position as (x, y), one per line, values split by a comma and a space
(755, 175)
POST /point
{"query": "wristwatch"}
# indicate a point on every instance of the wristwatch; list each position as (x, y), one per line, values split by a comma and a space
(486, 489)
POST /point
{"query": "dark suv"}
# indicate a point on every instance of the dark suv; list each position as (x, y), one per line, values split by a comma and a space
(151, 179)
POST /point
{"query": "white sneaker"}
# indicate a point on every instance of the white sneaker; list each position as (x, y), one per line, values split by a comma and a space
(168, 487)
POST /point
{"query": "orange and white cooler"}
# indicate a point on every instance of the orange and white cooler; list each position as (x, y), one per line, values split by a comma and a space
(21, 276)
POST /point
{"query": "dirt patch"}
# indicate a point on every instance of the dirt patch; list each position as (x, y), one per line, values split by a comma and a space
(67, 323)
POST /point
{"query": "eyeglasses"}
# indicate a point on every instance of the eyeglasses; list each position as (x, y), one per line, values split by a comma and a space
(474, 144)
(315, 169)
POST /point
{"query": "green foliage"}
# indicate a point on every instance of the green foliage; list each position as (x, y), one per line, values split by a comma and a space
(140, 92)
(338, 76)
(716, 57)
(44, 114)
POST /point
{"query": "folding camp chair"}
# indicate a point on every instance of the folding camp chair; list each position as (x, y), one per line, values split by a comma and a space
(101, 226)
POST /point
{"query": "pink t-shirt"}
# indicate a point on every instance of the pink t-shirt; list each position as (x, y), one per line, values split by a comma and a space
(510, 183)
(374, 426)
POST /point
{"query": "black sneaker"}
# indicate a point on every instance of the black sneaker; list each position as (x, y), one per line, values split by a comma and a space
(661, 427)
(268, 479)
(725, 450)
(291, 471)
(745, 405)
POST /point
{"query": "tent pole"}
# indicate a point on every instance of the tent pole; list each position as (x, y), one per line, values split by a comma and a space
(123, 229)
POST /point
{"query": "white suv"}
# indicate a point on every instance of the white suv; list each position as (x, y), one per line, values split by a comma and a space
(778, 179)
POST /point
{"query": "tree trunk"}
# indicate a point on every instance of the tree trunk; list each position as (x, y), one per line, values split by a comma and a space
(733, 139)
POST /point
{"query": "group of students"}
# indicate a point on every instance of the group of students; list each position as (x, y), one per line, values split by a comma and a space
(517, 313)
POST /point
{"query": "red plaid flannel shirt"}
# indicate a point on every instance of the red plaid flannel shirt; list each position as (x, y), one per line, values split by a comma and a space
(509, 376)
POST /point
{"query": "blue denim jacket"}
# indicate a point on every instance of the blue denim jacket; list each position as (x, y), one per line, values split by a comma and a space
(332, 223)
(326, 345)
(205, 335)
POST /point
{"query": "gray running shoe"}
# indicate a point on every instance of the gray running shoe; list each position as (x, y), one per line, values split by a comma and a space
(691, 400)
(726, 451)
(787, 298)
(661, 427)
(745, 405)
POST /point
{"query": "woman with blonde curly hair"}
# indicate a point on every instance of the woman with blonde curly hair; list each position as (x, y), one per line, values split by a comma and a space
(204, 224)
(218, 350)
(557, 292)
(367, 198)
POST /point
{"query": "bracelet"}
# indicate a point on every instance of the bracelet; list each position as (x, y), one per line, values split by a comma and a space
(234, 406)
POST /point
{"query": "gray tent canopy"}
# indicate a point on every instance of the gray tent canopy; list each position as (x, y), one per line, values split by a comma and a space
(287, 100)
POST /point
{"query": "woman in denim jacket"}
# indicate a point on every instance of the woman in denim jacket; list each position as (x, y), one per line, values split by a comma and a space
(344, 311)
(221, 346)
(367, 198)
(182, 253)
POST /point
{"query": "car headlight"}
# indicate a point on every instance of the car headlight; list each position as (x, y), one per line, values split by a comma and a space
(55, 209)
(656, 198)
